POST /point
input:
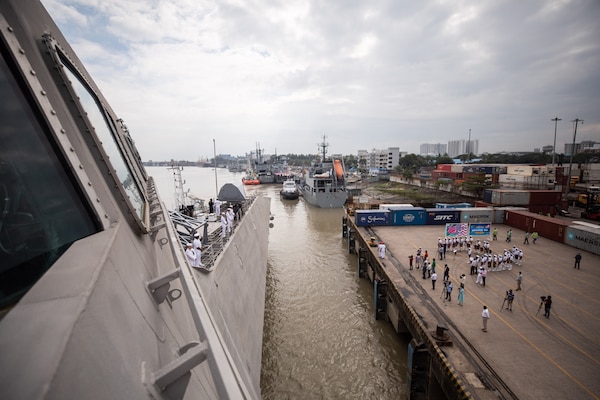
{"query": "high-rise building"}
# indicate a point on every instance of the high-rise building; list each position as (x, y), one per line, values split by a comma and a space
(431, 149)
(462, 146)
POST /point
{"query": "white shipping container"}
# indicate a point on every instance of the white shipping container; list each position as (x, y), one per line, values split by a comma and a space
(525, 170)
(387, 206)
(520, 180)
(510, 197)
(506, 178)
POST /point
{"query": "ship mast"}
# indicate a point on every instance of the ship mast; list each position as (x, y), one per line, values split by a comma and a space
(323, 145)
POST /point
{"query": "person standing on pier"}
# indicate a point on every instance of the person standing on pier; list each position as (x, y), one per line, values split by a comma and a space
(510, 296)
(509, 236)
(449, 291)
(461, 295)
(577, 260)
(547, 306)
(534, 236)
(519, 280)
(446, 273)
(526, 241)
(211, 206)
(485, 315)
(433, 280)
(410, 262)
(418, 260)
(495, 234)
(381, 250)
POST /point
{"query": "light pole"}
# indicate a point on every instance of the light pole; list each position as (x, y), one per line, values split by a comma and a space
(216, 183)
(576, 122)
(556, 119)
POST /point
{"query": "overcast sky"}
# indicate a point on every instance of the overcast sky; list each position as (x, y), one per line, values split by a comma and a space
(368, 74)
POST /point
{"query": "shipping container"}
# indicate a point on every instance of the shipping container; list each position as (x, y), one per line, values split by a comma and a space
(499, 213)
(441, 216)
(546, 227)
(487, 195)
(452, 205)
(525, 170)
(387, 206)
(584, 238)
(546, 197)
(437, 174)
(472, 215)
(407, 216)
(372, 217)
(543, 209)
(507, 178)
(507, 197)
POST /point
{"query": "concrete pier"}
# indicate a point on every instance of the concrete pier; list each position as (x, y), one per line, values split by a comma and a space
(523, 354)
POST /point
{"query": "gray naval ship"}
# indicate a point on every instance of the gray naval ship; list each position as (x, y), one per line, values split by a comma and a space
(97, 299)
(324, 182)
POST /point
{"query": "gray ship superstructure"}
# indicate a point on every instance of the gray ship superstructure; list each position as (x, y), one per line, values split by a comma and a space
(97, 298)
(324, 183)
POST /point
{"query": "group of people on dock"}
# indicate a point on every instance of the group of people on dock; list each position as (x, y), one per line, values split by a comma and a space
(481, 260)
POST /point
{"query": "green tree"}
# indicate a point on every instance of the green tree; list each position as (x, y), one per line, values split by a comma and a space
(476, 184)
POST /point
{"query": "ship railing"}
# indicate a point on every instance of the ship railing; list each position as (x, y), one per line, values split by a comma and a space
(209, 348)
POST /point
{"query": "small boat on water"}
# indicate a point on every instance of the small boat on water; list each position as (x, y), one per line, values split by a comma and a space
(289, 191)
(324, 183)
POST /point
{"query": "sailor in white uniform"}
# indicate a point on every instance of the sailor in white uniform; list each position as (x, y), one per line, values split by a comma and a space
(190, 254)
(381, 249)
(197, 245)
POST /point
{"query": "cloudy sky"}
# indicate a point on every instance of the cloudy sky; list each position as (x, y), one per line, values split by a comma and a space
(368, 74)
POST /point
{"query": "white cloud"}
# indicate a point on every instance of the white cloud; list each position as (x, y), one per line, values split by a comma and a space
(183, 72)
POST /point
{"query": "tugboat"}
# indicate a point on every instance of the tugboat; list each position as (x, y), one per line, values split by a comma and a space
(290, 190)
(324, 183)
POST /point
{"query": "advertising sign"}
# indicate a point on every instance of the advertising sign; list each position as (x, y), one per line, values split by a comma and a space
(480, 229)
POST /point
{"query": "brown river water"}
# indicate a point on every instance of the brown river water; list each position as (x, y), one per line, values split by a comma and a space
(321, 340)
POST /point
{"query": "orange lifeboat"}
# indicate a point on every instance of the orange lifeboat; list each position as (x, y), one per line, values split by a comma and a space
(247, 181)
(339, 171)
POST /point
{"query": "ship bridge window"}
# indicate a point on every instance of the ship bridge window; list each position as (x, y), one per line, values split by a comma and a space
(107, 132)
(42, 210)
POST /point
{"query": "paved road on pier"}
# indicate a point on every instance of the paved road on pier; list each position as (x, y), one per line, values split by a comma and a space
(536, 357)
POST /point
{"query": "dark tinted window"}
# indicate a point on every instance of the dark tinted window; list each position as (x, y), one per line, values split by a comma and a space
(41, 209)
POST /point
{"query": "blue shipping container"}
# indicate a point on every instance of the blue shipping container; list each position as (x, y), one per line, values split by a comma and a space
(372, 217)
(440, 216)
(408, 216)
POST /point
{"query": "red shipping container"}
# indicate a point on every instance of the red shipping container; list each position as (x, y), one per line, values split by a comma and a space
(544, 197)
(543, 209)
(445, 167)
(546, 227)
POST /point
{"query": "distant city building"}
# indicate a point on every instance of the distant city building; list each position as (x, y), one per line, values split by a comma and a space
(586, 146)
(379, 159)
(430, 149)
(462, 146)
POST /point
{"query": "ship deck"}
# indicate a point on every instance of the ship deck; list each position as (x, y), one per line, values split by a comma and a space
(531, 355)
